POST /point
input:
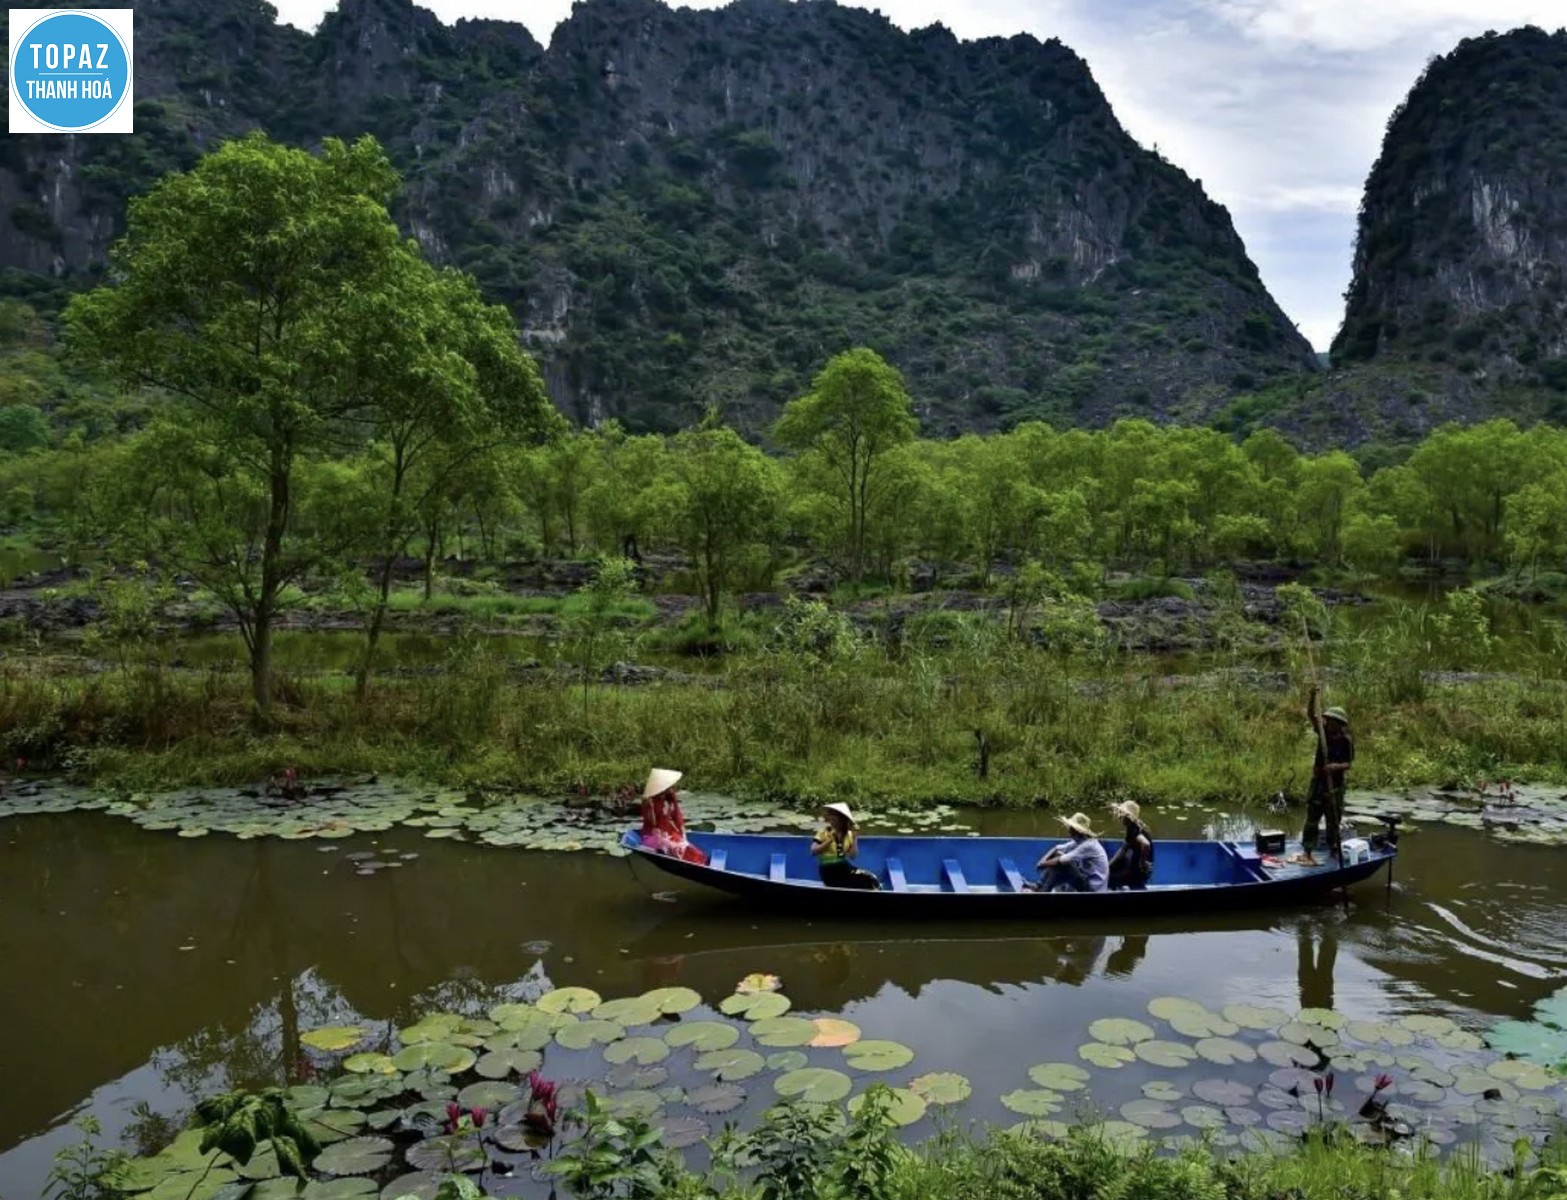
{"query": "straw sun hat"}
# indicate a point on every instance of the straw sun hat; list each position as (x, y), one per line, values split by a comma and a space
(842, 810)
(1078, 823)
(660, 781)
(1127, 810)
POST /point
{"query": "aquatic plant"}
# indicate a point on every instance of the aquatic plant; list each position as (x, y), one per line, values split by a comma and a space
(84, 1170)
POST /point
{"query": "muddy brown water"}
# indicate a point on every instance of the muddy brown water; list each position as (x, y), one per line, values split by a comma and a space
(142, 967)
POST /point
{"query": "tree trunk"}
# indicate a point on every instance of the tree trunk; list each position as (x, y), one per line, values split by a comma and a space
(373, 634)
(271, 582)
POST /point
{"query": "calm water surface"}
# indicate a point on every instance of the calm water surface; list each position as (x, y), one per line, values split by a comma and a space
(139, 966)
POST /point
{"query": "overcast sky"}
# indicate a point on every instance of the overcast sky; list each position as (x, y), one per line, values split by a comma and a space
(1277, 106)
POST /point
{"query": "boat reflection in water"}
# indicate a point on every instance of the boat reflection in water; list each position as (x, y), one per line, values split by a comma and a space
(831, 965)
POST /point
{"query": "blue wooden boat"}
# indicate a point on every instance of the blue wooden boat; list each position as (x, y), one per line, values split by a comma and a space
(936, 877)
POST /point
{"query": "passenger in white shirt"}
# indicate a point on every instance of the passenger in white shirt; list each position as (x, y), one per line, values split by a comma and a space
(1080, 865)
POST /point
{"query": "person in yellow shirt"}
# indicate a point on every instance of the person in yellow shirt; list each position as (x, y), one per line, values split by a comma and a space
(835, 848)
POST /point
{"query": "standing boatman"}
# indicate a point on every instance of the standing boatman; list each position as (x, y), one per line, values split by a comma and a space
(1335, 755)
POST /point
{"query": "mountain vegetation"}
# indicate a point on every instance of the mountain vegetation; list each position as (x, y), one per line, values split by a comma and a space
(687, 208)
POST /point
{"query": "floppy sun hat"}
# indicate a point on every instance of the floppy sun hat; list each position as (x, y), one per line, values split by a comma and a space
(1078, 823)
(1127, 810)
(660, 781)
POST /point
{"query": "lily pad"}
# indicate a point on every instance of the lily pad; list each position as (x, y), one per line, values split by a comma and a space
(418, 1185)
(490, 1094)
(703, 1035)
(787, 1060)
(498, 1064)
(1150, 1114)
(1326, 1017)
(1258, 1018)
(1122, 1135)
(1119, 1031)
(333, 1124)
(905, 1107)
(630, 1075)
(191, 1185)
(818, 1085)
(263, 1165)
(1200, 1023)
(833, 1032)
(1428, 1026)
(639, 1104)
(634, 1011)
(644, 1051)
(1051, 1131)
(1286, 1054)
(584, 1034)
(1165, 1054)
(1461, 1039)
(346, 1188)
(715, 1098)
(1529, 1040)
(354, 1156)
(334, 1038)
(941, 1087)
(672, 1001)
(1033, 1102)
(1225, 1093)
(448, 1155)
(1380, 1033)
(454, 1060)
(1225, 1051)
(1527, 1075)
(1303, 1034)
(1292, 1122)
(368, 1064)
(1108, 1057)
(569, 1000)
(534, 1037)
(1203, 1116)
(1245, 1118)
(783, 1032)
(733, 1063)
(679, 1132)
(306, 1095)
(877, 1055)
(1161, 1090)
(755, 1006)
(1059, 1077)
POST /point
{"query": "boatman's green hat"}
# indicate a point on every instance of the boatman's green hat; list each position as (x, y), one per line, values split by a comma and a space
(1336, 714)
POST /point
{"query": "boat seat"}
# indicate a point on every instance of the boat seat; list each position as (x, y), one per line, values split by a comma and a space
(775, 869)
(1011, 874)
(954, 875)
(895, 877)
(718, 860)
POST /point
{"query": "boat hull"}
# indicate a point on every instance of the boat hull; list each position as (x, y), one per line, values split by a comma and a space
(963, 878)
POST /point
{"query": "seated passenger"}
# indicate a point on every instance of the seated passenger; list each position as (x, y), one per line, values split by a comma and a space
(663, 824)
(834, 849)
(1132, 865)
(1076, 866)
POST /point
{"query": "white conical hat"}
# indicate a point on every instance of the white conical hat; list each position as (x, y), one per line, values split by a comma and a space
(660, 781)
(842, 810)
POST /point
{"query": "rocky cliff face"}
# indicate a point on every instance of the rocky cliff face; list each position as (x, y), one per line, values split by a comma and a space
(696, 207)
(1463, 231)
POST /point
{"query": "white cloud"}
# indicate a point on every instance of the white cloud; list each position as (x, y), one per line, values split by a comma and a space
(1278, 106)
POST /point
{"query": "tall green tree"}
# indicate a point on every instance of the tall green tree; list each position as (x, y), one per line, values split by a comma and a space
(857, 410)
(263, 294)
(448, 384)
(723, 496)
